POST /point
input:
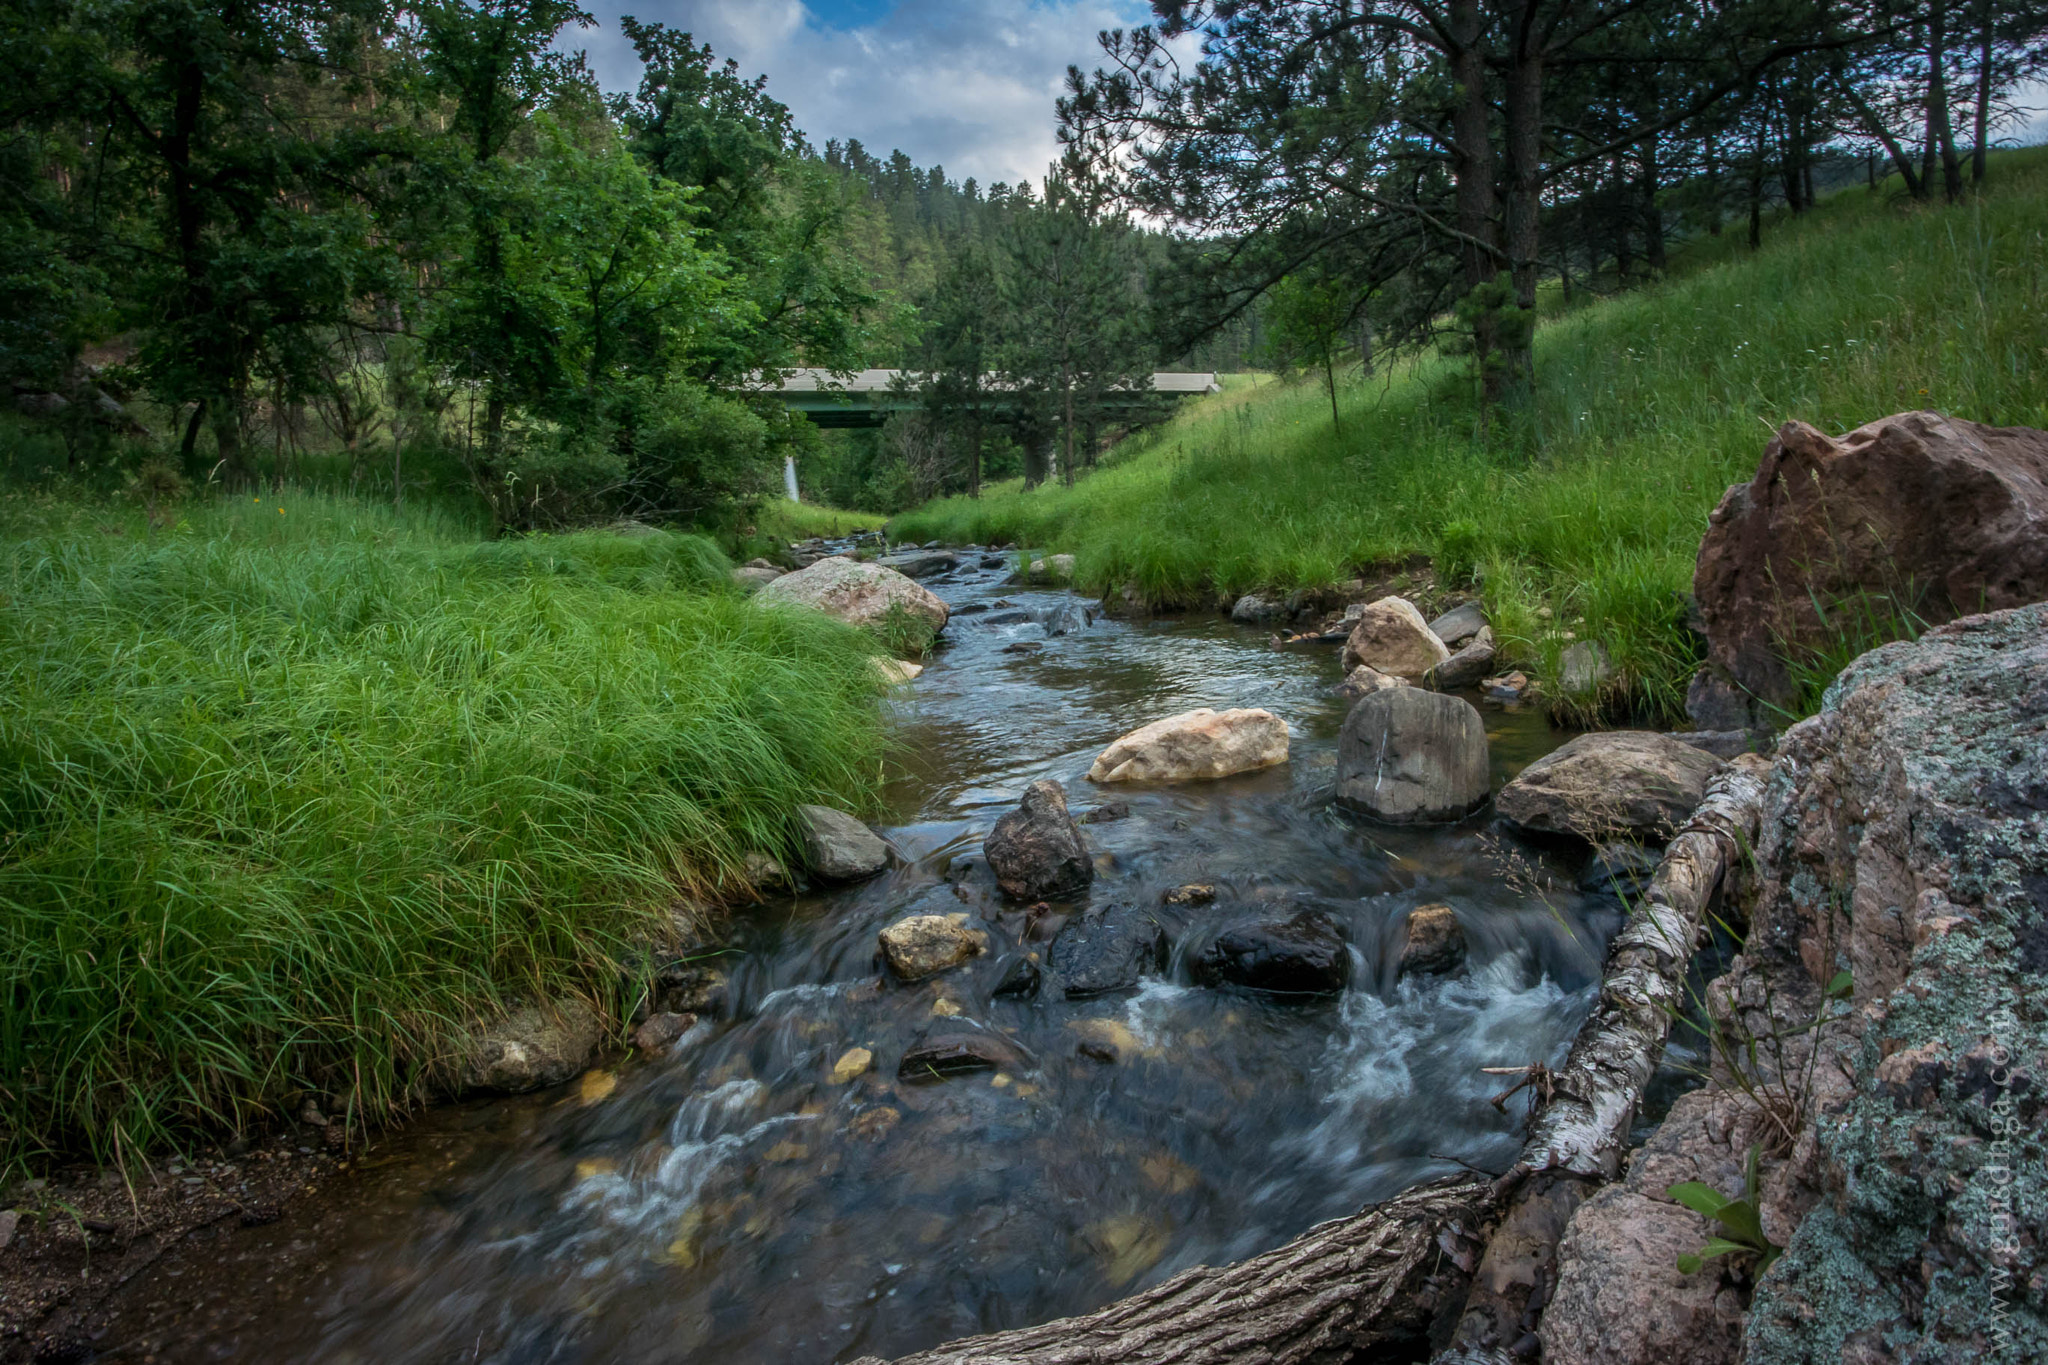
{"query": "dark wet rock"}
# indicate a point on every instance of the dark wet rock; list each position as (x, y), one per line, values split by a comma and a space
(1949, 515)
(1097, 1051)
(1468, 666)
(1066, 618)
(1035, 850)
(925, 945)
(970, 609)
(1509, 689)
(1108, 951)
(1459, 625)
(533, 1047)
(658, 1031)
(1106, 812)
(950, 1051)
(1022, 980)
(1003, 615)
(838, 847)
(922, 564)
(1194, 893)
(1614, 784)
(1715, 703)
(1299, 954)
(1252, 609)
(1621, 870)
(1433, 941)
(1025, 647)
(690, 988)
(1408, 756)
(995, 561)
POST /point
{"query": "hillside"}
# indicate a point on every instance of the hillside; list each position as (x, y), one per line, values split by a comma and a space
(1591, 505)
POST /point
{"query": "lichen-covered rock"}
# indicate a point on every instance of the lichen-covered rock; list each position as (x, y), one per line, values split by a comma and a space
(1611, 784)
(1196, 746)
(839, 847)
(1391, 635)
(925, 945)
(1951, 515)
(1905, 842)
(856, 593)
(532, 1047)
(1035, 851)
(1407, 756)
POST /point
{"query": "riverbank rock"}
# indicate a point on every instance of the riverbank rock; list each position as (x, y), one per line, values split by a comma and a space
(1632, 784)
(1407, 756)
(752, 577)
(922, 563)
(1299, 954)
(1252, 609)
(896, 672)
(1458, 626)
(1196, 746)
(1035, 851)
(1433, 942)
(1392, 637)
(1946, 515)
(1583, 668)
(838, 847)
(856, 593)
(533, 1047)
(925, 945)
(658, 1031)
(1364, 680)
(953, 1049)
(1469, 666)
(1111, 950)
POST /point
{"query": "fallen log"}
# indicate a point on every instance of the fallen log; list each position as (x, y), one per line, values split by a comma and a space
(1464, 1260)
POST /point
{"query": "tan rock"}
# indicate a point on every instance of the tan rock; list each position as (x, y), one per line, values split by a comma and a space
(896, 672)
(532, 1047)
(1364, 680)
(1197, 746)
(925, 945)
(853, 1062)
(1435, 941)
(1392, 637)
(856, 593)
(1631, 783)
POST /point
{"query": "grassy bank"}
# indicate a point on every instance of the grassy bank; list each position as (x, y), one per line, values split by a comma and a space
(1591, 505)
(801, 520)
(294, 792)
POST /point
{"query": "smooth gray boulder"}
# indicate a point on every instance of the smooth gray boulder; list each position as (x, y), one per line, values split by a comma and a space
(856, 593)
(1459, 625)
(1408, 756)
(838, 847)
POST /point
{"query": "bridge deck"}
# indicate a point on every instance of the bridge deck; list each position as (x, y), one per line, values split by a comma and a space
(867, 397)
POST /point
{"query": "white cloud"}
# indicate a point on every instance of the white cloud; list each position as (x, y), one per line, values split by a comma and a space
(968, 84)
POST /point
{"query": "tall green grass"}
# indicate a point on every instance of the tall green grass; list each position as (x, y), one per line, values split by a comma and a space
(1591, 504)
(295, 793)
(801, 520)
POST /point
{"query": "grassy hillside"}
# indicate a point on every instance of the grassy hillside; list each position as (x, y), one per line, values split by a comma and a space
(294, 791)
(1592, 505)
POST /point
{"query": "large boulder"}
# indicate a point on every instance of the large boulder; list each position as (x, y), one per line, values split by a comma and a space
(1035, 850)
(532, 1047)
(838, 847)
(1299, 954)
(1406, 756)
(856, 593)
(1196, 746)
(925, 945)
(1612, 784)
(1391, 635)
(1947, 515)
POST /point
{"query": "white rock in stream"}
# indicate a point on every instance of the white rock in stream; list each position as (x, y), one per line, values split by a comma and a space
(1197, 746)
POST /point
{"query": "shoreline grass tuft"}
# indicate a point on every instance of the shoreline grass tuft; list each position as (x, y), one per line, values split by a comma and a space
(296, 793)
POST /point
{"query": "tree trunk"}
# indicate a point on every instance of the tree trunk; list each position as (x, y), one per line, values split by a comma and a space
(1878, 129)
(1713, 186)
(1067, 432)
(1941, 125)
(1981, 148)
(1756, 192)
(974, 451)
(1472, 174)
(190, 444)
(1524, 118)
(1653, 216)
(226, 417)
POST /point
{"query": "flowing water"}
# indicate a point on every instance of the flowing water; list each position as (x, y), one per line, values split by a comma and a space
(733, 1202)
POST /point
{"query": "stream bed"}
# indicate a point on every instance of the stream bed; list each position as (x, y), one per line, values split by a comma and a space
(732, 1201)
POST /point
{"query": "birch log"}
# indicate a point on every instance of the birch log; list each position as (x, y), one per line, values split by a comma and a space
(1393, 1275)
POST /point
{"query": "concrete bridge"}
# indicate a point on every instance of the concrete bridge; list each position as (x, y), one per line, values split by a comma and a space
(868, 397)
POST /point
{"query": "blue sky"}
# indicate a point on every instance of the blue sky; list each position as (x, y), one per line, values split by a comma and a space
(968, 84)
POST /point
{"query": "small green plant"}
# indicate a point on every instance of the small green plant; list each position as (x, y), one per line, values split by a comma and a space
(1741, 1220)
(903, 634)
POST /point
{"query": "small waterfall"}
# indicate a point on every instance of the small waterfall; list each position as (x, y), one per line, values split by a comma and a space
(789, 477)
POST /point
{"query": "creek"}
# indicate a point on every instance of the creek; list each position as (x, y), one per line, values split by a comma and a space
(730, 1201)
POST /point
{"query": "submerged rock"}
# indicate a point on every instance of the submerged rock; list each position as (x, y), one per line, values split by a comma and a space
(1035, 850)
(1107, 812)
(1631, 784)
(838, 847)
(1299, 954)
(1433, 941)
(925, 945)
(1196, 746)
(1021, 980)
(858, 594)
(533, 1047)
(1108, 951)
(1407, 756)
(951, 1049)
(1392, 637)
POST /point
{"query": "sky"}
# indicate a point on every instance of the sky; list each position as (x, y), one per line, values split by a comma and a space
(966, 84)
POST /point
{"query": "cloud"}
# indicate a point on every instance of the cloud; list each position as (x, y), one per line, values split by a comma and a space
(968, 84)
